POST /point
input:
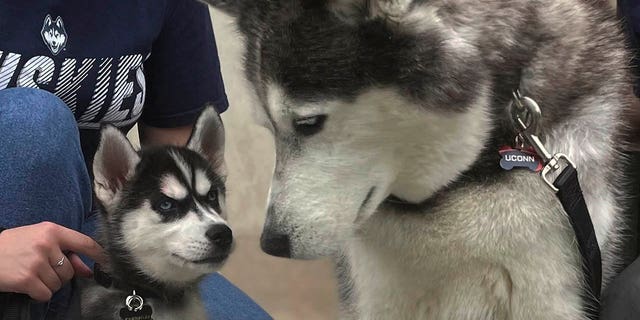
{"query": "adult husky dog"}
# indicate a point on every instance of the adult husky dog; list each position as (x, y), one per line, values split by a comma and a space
(162, 222)
(388, 117)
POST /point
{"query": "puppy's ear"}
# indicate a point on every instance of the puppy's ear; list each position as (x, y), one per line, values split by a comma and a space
(114, 163)
(207, 137)
(48, 20)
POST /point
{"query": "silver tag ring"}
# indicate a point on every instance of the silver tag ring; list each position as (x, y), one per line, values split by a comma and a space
(134, 298)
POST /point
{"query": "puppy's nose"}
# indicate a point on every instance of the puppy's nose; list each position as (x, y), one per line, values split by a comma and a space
(276, 244)
(221, 235)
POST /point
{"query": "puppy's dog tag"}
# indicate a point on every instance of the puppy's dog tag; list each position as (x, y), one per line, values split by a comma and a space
(144, 313)
(135, 309)
(517, 158)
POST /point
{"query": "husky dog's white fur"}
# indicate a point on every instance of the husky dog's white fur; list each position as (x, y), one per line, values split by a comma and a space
(162, 222)
(370, 99)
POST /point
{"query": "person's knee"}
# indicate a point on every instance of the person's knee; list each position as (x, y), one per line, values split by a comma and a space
(37, 120)
(35, 111)
(40, 132)
(41, 147)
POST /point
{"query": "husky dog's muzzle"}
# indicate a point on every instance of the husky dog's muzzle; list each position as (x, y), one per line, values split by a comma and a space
(274, 242)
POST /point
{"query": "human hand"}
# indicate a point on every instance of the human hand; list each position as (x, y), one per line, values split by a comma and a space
(30, 259)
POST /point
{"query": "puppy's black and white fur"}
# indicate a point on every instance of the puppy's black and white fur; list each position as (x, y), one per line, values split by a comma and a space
(163, 223)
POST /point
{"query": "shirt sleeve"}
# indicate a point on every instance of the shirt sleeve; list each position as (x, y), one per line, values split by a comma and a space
(183, 71)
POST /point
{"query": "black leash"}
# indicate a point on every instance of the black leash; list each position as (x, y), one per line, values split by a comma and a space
(526, 114)
(570, 195)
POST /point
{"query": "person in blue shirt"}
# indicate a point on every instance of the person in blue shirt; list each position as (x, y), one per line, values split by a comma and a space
(66, 67)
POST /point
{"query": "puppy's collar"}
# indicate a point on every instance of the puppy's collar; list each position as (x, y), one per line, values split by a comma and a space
(108, 281)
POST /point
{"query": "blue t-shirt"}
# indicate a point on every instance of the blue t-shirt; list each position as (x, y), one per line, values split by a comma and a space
(114, 61)
(629, 12)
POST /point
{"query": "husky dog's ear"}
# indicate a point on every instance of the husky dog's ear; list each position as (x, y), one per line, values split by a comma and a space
(114, 163)
(59, 23)
(353, 10)
(207, 137)
(48, 21)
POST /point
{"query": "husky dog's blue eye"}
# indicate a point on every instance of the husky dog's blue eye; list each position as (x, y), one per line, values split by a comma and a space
(165, 205)
(309, 125)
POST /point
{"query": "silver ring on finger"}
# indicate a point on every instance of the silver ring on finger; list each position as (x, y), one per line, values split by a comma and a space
(60, 262)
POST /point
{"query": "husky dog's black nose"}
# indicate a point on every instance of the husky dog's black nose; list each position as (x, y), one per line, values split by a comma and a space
(221, 235)
(276, 244)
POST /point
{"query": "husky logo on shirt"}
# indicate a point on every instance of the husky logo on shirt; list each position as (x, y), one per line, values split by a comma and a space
(54, 34)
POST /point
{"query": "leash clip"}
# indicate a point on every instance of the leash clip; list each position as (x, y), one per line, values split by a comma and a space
(553, 166)
(526, 116)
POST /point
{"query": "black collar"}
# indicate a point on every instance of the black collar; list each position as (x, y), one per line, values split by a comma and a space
(144, 290)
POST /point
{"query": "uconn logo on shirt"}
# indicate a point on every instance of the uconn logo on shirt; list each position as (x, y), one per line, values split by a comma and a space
(54, 34)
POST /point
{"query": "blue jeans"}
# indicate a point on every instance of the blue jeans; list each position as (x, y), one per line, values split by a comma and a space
(43, 177)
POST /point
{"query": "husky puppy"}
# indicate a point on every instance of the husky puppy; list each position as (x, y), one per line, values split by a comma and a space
(163, 222)
(388, 117)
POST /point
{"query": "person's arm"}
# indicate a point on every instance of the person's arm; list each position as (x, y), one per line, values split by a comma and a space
(150, 136)
(183, 75)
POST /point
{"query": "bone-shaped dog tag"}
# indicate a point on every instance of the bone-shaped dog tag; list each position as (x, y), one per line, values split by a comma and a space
(516, 158)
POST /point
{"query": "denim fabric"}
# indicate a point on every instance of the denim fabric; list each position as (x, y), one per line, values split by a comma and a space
(42, 172)
(44, 178)
(224, 301)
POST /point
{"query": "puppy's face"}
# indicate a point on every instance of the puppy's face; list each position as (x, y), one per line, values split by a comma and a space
(170, 216)
(164, 207)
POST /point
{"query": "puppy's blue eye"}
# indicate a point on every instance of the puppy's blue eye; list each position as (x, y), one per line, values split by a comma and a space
(309, 126)
(166, 205)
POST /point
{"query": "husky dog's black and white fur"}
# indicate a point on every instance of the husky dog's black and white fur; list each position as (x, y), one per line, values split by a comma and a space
(163, 223)
(369, 99)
